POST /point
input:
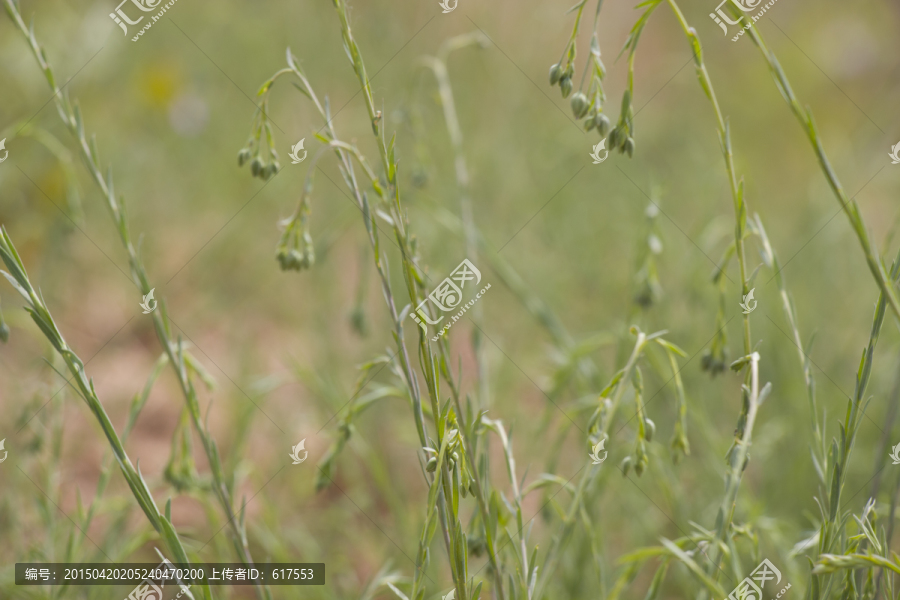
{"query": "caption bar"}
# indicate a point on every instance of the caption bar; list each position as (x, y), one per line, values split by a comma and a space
(169, 573)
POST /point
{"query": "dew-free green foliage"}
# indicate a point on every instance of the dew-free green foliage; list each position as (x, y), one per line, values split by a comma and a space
(461, 464)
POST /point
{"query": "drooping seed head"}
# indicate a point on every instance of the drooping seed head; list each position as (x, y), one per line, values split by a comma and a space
(556, 74)
(565, 84)
(580, 105)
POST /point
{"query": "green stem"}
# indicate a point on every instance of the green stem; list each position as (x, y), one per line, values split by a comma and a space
(73, 120)
(848, 205)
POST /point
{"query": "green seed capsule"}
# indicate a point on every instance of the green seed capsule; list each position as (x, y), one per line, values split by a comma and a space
(565, 84)
(256, 167)
(579, 104)
(570, 71)
(629, 147)
(625, 466)
(614, 139)
(556, 73)
(431, 465)
(602, 123)
(589, 123)
(649, 429)
(243, 156)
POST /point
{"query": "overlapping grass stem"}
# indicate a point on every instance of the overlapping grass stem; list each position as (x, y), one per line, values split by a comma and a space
(183, 364)
(453, 429)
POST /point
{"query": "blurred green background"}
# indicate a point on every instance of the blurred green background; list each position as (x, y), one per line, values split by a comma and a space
(170, 113)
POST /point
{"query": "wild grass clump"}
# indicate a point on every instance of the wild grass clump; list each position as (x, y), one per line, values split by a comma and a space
(484, 517)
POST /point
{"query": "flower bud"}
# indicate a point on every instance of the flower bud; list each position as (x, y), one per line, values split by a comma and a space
(580, 105)
(613, 138)
(556, 73)
(640, 465)
(649, 429)
(602, 123)
(589, 123)
(431, 465)
(243, 156)
(625, 465)
(565, 84)
(256, 167)
(629, 147)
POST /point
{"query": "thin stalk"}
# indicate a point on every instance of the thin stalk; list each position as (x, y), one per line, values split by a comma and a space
(620, 383)
(830, 531)
(740, 448)
(480, 496)
(848, 205)
(181, 362)
(736, 186)
(438, 66)
(388, 192)
(18, 278)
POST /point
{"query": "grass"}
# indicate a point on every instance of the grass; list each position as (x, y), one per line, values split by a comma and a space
(490, 526)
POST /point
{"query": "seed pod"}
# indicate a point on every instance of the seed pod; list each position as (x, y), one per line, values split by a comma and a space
(602, 123)
(649, 429)
(629, 147)
(256, 167)
(625, 465)
(613, 138)
(589, 123)
(565, 84)
(570, 71)
(579, 104)
(556, 73)
(243, 156)
(639, 466)
(431, 465)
